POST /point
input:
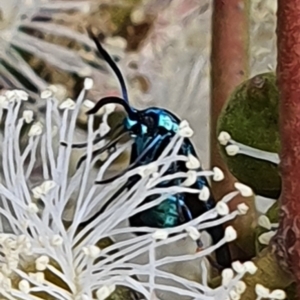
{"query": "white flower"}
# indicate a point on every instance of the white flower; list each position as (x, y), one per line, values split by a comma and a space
(37, 238)
(17, 15)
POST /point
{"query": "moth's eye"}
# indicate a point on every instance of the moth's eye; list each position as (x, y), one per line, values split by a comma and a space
(149, 122)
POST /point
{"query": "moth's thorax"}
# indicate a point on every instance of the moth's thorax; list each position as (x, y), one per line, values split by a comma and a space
(152, 121)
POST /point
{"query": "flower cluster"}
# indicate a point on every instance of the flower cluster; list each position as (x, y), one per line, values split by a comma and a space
(18, 18)
(45, 255)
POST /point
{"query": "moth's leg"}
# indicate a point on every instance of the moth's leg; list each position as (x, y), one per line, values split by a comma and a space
(97, 139)
(108, 146)
(134, 164)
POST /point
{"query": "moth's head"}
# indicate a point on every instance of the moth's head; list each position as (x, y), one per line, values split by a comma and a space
(137, 122)
(142, 122)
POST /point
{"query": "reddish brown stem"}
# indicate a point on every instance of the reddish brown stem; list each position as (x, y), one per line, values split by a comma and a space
(229, 64)
(229, 67)
(288, 74)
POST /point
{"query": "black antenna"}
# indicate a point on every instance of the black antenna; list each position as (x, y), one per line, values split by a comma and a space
(111, 63)
(112, 99)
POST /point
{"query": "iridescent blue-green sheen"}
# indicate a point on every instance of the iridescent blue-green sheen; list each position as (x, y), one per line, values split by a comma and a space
(160, 125)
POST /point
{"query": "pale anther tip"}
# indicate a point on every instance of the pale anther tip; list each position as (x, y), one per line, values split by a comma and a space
(232, 150)
(218, 174)
(88, 83)
(224, 137)
(245, 190)
(46, 94)
(230, 234)
(160, 234)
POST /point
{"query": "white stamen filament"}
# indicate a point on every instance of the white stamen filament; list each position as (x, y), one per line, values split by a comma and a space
(36, 190)
(233, 148)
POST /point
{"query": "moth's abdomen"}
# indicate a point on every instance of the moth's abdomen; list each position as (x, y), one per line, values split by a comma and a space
(163, 215)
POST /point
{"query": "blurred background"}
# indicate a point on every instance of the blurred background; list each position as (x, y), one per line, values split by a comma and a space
(161, 46)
